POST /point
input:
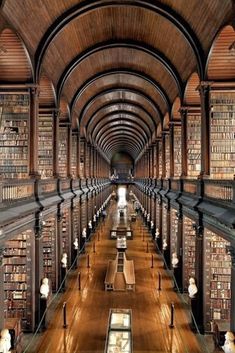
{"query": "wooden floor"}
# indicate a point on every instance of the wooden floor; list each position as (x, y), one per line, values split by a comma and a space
(88, 309)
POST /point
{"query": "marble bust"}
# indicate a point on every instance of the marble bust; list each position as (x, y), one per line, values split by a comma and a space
(75, 244)
(151, 225)
(45, 289)
(64, 260)
(164, 244)
(90, 225)
(84, 233)
(157, 233)
(5, 341)
(229, 345)
(174, 260)
(192, 288)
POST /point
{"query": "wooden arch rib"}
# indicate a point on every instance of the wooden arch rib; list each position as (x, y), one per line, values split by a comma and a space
(146, 78)
(166, 122)
(15, 64)
(83, 8)
(47, 97)
(221, 59)
(126, 135)
(191, 95)
(118, 143)
(115, 106)
(120, 131)
(116, 147)
(120, 125)
(132, 111)
(119, 118)
(112, 93)
(64, 110)
(175, 112)
(130, 45)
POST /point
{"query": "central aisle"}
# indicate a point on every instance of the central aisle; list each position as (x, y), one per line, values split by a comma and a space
(88, 309)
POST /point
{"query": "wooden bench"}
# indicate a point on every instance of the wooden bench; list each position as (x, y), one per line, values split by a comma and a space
(110, 275)
(129, 274)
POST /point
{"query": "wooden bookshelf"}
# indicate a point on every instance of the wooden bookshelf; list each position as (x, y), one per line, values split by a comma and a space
(18, 272)
(74, 157)
(218, 278)
(222, 135)
(177, 151)
(45, 145)
(63, 148)
(164, 224)
(14, 135)
(167, 154)
(157, 215)
(173, 230)
(160, 158)
(49, 250)
(82, 159)
(189, 248)
(194, 144)
(65, 232)
(76, 221)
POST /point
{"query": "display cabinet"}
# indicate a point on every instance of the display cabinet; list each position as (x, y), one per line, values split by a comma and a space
(119, 335)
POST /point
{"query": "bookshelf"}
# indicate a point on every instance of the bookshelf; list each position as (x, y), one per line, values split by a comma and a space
(167, 154)
(14, 135)
(157, 215)
(18, 269)
(177, 151)
(45, 145)
(222, 135)
(164, 224)
(49, 250)
(65, 233)
(82, 159)
(160, 158)
(63, 148)
(74, 156)
(189, 243)
(218, 278)
(193, 144)
(173, 230)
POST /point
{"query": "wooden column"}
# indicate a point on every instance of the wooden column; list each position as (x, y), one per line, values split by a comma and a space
(171, 137)
(55, 143)
(33, 131)
(180, 250)
(163, 154)
(38, 269)
(199, 274)
(157, 159)
(204, 90)
(69, 152)
(78, 157)
(84, 158)
(231, 252)
(2, 294)
(184, 113)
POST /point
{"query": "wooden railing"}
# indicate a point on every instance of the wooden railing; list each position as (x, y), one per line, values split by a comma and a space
(190, 186)
(221, 190)
(15, 190)
(48, 186)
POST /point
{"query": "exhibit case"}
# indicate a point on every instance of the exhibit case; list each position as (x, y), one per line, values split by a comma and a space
(119, 335)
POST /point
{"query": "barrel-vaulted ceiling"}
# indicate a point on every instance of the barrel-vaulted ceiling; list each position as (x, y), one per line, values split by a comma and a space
(118, 64)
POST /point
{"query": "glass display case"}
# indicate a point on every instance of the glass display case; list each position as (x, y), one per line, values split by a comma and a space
(119, 335)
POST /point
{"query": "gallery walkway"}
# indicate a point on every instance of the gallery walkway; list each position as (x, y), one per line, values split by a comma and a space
(88, 308)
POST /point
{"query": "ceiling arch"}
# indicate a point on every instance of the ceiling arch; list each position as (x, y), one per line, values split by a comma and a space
(121, 125)
(117, 144)
(122, 94)
(130, 44)
(108, 113)
(116, 118)
(80, 10)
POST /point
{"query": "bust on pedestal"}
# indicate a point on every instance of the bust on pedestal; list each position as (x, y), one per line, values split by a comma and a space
(5, 341)
(44, 291)
(152, 228)
(174, 265)
(64, 263)
(229, 345)
(75, 251)
(83, 240)
(89, 228)
(192, 291)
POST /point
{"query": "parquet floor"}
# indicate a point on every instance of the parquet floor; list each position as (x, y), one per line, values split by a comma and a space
(88, 308)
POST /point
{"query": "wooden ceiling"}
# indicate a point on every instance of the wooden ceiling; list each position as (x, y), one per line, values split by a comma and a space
(116, 68)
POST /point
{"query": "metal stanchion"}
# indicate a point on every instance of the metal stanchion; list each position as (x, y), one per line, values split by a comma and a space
(143, 234)
(99, 236)
(147, 249)
(159, 281)
(152, 261)
(79, 280)
(88, 261)
(64, 315)
(94, 247)
(172, 315)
